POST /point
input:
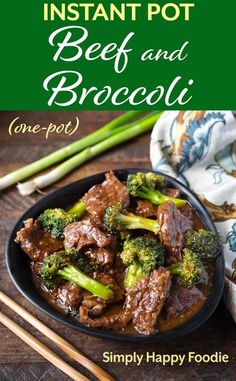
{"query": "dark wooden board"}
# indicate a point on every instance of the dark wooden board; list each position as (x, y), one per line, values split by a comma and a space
(17, 360)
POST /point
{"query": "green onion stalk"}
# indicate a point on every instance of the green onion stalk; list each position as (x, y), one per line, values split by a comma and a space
(68, 151)
(131, 130)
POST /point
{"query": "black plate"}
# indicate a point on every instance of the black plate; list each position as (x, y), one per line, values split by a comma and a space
(20, 272)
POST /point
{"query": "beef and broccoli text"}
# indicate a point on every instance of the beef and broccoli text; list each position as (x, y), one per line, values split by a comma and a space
(131, 257)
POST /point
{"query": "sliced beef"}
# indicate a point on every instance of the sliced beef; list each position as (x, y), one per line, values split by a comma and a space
(108, 280)
(145, 300)
(172, 192)
(185, 223)
(188, 212)
(173, 224)
(69, 295)
(100, 196)
(115, 321)
(36, 268)
(95, 305)
(36, 242)
(146, 209)
(100, 255)
(85, 233)
(143, 304)
(180, 299)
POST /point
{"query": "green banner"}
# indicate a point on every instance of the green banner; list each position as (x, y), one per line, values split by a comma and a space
(117, 55)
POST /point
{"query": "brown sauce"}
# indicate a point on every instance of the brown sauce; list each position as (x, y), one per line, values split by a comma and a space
(163, 324)
(155, 303)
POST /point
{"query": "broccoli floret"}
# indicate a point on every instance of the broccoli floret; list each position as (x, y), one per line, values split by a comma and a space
(145, 185)
(55, 262)
(189, 270)
(133, 273)
(67, 265)
(147, 251)
(141, 255)
(55, 220)
(152, 180)
(116, 220)
(204, 243)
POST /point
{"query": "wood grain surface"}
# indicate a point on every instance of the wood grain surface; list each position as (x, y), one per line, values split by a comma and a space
(18, 361)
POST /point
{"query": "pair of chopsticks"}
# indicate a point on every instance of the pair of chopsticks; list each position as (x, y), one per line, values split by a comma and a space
(47, 353)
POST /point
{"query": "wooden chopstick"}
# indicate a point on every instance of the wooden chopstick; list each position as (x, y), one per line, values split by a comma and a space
(41, 349)
(67, 348)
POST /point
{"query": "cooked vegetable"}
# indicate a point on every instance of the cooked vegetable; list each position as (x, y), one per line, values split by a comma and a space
(189, 270)
(204, 243)
(55, 220)
(148, 180)
(133, 273)
(56, 261)
(62, 265)
(83, 273)
(141, 255)
(116, 220)
(118, 136)
(145, 185)
(68, 151)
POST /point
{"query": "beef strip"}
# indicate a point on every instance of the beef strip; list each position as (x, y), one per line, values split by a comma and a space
(100, 196)
(180, 299)
(173, 224)
(143, 304)
(69, 295)
(95, 305)
(146, 209)
(85, 233)
(145, 300)
(172, 192)
(36, 242)
(115, 321)
(101, 255)
(36, 268)
(187, 211)
(108, 280)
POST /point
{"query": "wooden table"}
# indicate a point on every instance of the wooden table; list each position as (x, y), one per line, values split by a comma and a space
(17, 360)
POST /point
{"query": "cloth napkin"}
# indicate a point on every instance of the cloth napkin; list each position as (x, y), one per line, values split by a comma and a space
(199, 149)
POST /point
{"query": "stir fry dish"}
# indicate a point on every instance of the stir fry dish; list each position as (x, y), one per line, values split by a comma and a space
(132, 257)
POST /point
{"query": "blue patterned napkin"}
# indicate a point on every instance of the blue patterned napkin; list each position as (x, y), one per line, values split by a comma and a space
(199, 148)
